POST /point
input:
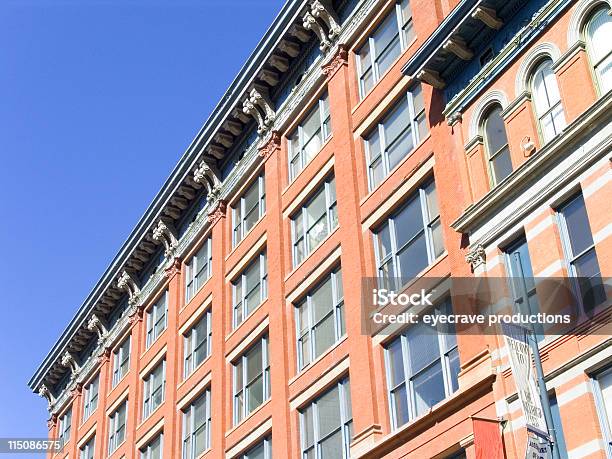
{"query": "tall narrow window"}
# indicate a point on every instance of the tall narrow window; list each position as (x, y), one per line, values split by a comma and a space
(262, 451)
(314, 221)
(249, 209)
(580, 253)
(154, 389)
(558, 425)
(154, 449)
(90, 397)
(87, 450)
(116, 427)
(603, 393)
(384, 46)
(599, 46)
(121, 361)
(251, 380)
(320, 319)
(307, 139)
(326, 424)
(157, 319)
(196, 427)
(197, 344)
(422, 368)
(547, 101)
(65, 422)
(250, 288)
(198, 270)
(496, 142)
(410, 240)
(395, 137)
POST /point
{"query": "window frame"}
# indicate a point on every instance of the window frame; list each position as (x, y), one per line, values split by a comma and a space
(190, 432)
(588, 39)
(239, 212)
(242, 393)
(119, 360)
(239, 284)
(148, 453)
(191, 346)
(148, 392)
(65, 426)
(330, 216)
(490, 157)
(267, 447)
(115, 428)
(88, 450)
(153, 319)
(193, 270)
(90, 400)
(558, 123)
(604, 418)
(336, 310)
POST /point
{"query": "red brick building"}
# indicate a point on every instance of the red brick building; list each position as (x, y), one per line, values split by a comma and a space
(362, 139)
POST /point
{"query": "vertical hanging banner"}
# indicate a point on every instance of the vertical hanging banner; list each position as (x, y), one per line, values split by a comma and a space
(516, 338)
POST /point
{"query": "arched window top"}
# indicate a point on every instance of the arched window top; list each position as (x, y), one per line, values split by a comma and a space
(598, 37)
(547, 100)
(496, 144)
(531, 61)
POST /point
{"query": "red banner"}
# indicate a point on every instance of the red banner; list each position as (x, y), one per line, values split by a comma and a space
(487, 439)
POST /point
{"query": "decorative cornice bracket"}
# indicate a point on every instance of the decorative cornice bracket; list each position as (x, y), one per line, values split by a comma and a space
(476, 256)
(165, 232)
(127, 282)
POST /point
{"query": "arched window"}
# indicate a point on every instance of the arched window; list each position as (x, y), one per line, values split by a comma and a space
(496, 142)
(547, 101)
(598, 33)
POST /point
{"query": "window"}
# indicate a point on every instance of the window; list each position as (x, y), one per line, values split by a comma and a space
(496, 144)
(251, 380)
(199, 270)
(87, 450)
(250, 288)
(599, 46)
(157, 319)
(558, 425)
(262, 451)
(522, 282)
(90, 397)
(384, 46)
(121, 361)
(320, 319)
(547, 101)
(154, 388)
(410, 239)
(422, 367)
(249, 209)
(327, 424)
(196, 427)
(603, 397)
(314, 221)
(154, 449)
(396, 136)
(306, 141)
(580, 253)
(197, 344)
(116, 427)
(65, 422)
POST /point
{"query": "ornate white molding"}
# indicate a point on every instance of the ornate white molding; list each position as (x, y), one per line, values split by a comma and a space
(492, 97)
(476, 256)
(260, 107)
(208, 176)
(69, 361)
(530, 61)
(583, 9)
(95, 324)
(322, 19)
(127, 282)
(44, 392)
(165, 233)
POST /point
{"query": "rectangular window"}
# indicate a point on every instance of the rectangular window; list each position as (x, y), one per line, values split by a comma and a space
(395, 136)
(422, 367)
(384, 46)
(157, 319)
(306, 141)
(154, 389)
(314, 221)
(65, 423)
(250, 288)
(196, 427)
(87, 450)
(580, 253)
(320, 319)
(154, 449)
(197, 344)
(410, 240)
(198, 270)
(249, 209)
(90, 397)
(262, 451)
(603, 396)
(251, 380)
(121, 361)
(116, 427)
(326, 424)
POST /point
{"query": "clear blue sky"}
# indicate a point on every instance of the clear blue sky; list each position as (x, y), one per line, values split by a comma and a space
(98, 100)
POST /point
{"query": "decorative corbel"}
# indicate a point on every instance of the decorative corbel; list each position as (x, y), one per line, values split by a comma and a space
(52, 422)
(259, 106)
(208, 176)
(95, 324)
(165, 233)
(173, 268)
(310, 23)
(104, 355)
(127, 282)
(339, 59)
(44, 392)
(77, 390)
(476, 256)
(323, 10)
(69, 361)
(454, 118)
(270, 146)
(217, 211)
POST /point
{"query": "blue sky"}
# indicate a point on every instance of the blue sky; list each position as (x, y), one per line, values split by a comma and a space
(98, 100)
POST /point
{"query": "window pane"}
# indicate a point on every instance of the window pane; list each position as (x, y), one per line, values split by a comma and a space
(400, 405)
(501, 165)
(423, 347)
(324, 335)
(322, 300)
(428, 388)
(308, 426)
(599, 31)
(254, 362)
(605, 385)
(577, 223)
(396, 362)
(331, 447)
(409, 222)
(495, 132)
(413, 258)
(328, 407)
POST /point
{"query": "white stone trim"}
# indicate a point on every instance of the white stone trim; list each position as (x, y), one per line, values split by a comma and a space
(310, 188)
(253, 437)
(320, 385)
(579, 16)
(314, 276)
(493, 96)
(586, 449)
(554, 267)
(540, 227)
(247, 258)
(530, 61)
(597, 184)
(578, 390)
(198, 389)
(602, 234)
(151, 434)
(248, 340)
(117, 403)
(154, 362)
(196, 315)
